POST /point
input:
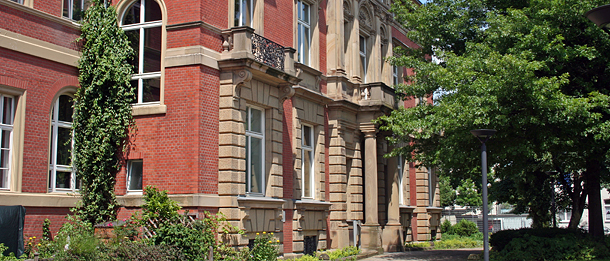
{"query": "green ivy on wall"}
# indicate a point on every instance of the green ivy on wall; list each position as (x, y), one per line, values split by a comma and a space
(102, 115)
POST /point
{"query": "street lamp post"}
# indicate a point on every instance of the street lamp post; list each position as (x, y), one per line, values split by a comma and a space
(483, 135)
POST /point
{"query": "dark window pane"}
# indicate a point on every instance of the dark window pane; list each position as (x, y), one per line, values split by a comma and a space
(65, 108)
(64, 144)
(152, 49)
(132, 15)
(3, 178)
(237, 12)
(65, 12)
(153, 11)
(256, 165)
(307, 174)
(151, 91)
(135, 175)
(63, 179)
(134, 85)
(6, 139)
(7, 114)
(77, 9)
(134, 39)
(4, 158)
(256, 124)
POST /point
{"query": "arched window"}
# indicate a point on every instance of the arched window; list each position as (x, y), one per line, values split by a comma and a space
(142, 22)
(61, 173)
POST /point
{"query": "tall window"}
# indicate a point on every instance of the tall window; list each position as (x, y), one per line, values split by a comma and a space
(243, 12)
(75, 9)
(395, 75)
(7, 116)
(363, 62)
(142, 23)
(255, 150)
(61, 173)
(307, 160)
(304, 32)
(134, 176)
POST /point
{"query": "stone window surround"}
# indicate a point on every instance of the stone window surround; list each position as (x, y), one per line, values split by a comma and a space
(263, 137)
(6, 178)
(308, 149)
(314, 33)
(52, 147)
(257, 15)
(159, 107)
(16, 147)
(129, 176)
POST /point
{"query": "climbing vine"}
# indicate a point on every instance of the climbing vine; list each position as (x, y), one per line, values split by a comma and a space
(102, 115)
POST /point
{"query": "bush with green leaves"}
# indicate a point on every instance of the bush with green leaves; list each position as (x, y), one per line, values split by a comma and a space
(135, 250)
(266, 247)
(456, 241)
(547, 244)
(10, 257)
(464, 228)
(349, 251)
(417, 244)
(446, 227)
(102, 111)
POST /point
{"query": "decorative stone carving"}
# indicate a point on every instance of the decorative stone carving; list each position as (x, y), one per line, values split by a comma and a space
(239, 78)
(366, 94)
(286, 92)
(347, 12)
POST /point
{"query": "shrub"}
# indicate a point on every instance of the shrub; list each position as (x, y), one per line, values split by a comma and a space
(417, 244)
(546, 244)
(307, 258)
(10, 257)
(129, 250)
(446, 227)
(349, 251)
(265, 247)
(464, 228)
(456, 241)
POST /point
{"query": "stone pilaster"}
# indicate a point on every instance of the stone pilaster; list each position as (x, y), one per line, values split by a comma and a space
(371, 232)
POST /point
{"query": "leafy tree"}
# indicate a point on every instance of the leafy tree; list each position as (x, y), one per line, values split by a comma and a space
(535, 70)
(447, 193)
(468, 194)
(102, 115)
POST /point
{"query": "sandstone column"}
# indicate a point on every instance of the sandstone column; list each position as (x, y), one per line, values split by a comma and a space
(392, 232)
(371, 234)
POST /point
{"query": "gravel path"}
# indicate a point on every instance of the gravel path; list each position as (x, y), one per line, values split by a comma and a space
(431, 255)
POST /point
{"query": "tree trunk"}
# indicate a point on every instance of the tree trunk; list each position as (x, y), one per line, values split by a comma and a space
(578, 203)
(593, 174)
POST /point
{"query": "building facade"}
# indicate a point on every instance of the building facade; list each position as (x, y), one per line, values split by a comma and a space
(261, 110)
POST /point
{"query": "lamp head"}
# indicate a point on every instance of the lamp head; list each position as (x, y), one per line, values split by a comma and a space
(600, 16)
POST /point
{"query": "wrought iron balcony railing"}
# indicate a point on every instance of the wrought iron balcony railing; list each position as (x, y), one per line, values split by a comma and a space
(268, 52)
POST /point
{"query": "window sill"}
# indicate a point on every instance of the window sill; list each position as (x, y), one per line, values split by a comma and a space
(148, 109)
(260, 201)
(407, 208)
(313, 203)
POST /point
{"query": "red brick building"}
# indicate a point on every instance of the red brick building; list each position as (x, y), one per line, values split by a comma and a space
(258, 109)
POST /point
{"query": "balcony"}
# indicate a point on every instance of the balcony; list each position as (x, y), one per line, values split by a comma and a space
(242, 47)
(377, 94)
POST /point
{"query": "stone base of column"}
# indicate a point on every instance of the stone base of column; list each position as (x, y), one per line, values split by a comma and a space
(392, 238)
(371, 238)
(339, 235)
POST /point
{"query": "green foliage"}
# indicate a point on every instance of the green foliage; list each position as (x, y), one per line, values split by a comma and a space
(193, 242)
(500, 239)
(134, 250)
(468, 194)
(46, 230)
(349, 251)
(456, 241)
(569, 246)
(265, 247)
(10, 257)
(534, 70)
(158, 206)
(417, 244)
(102, 111)
(307, 258)
(447, 193)
(446, 227)
(464, 228)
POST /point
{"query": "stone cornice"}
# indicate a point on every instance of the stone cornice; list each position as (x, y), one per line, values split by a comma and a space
(43, 15)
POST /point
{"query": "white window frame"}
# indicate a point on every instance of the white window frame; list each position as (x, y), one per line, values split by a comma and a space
(17, 1)
(607, 210)
(258, 135)
(311, 151)
(363, 61)
(304, 51)
(395, 75)
(71, 9)
(129, 177)
(140, 75)
(53, 166)
(401, 194)
(7, 127)
(244, 17)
